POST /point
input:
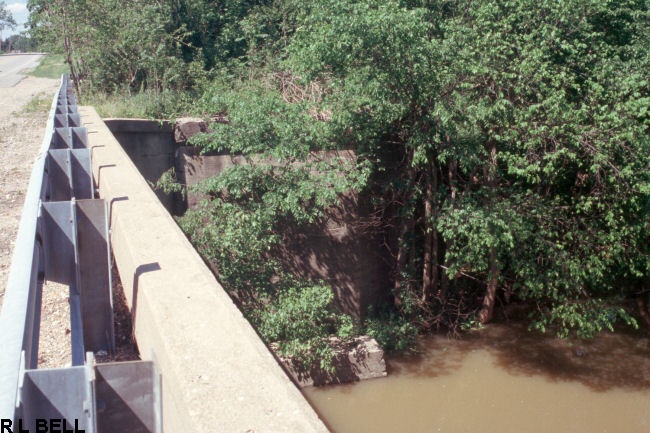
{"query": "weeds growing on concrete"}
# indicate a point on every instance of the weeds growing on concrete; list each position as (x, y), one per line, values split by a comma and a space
(142, 105)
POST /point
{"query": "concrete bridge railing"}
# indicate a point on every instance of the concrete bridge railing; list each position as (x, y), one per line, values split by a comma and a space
(217, 375)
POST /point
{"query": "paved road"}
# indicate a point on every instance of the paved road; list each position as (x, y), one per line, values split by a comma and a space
(12, 64)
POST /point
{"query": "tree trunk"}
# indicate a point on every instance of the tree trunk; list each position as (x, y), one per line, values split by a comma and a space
(444, 278)
(406, 226)
(68, 50)
(431, 247)
(487, 309)
(427, 276)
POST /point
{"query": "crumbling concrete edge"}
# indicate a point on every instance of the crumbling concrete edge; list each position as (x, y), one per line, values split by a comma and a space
(217, 375)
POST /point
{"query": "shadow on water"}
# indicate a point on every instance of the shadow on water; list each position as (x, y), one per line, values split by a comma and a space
(620, 360)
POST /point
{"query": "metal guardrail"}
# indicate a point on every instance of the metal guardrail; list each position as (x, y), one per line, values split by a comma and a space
(64, 237)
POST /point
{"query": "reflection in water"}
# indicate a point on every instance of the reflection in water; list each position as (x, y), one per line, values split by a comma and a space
(502, 379)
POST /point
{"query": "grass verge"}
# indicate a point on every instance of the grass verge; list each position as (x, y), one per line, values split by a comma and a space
(51, 66)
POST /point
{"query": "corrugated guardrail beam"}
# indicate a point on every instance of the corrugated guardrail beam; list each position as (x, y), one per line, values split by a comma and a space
(63, 237)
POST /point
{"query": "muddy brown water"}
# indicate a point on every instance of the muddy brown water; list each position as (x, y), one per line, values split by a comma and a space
(502, 379)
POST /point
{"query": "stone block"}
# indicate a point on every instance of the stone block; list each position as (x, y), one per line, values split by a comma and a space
(360, 359)
(186, 127)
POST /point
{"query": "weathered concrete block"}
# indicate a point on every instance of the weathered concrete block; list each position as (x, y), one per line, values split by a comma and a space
(361, 359)
(186, 127)
(193, 167)
(150, 146)
(359, 277)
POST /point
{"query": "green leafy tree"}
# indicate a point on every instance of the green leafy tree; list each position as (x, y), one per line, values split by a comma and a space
(6, 19)
(144, 45)
(111, 45)
(518, 163)
(503, 144)
(503, 150)
(19, 42)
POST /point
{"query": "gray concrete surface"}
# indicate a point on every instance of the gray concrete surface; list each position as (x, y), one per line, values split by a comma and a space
(11, 66)
(150, 145)
(217, 375)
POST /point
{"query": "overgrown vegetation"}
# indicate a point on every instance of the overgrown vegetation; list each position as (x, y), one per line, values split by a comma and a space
(141, 105)
(503, 144)
(237, 229)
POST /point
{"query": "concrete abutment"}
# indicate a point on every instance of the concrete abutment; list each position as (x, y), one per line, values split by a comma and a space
(339, 249)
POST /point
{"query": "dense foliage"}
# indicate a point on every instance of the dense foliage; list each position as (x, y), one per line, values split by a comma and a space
(504, 144)
(18, 43)
(7, 20)
(238, 228)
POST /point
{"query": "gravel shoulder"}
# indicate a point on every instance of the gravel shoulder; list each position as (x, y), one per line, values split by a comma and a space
(21, 135)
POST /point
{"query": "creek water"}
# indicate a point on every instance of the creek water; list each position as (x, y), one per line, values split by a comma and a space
(501, 379)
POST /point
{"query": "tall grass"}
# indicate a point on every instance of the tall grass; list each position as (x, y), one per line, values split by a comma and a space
(51, 66)
(143, 105)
